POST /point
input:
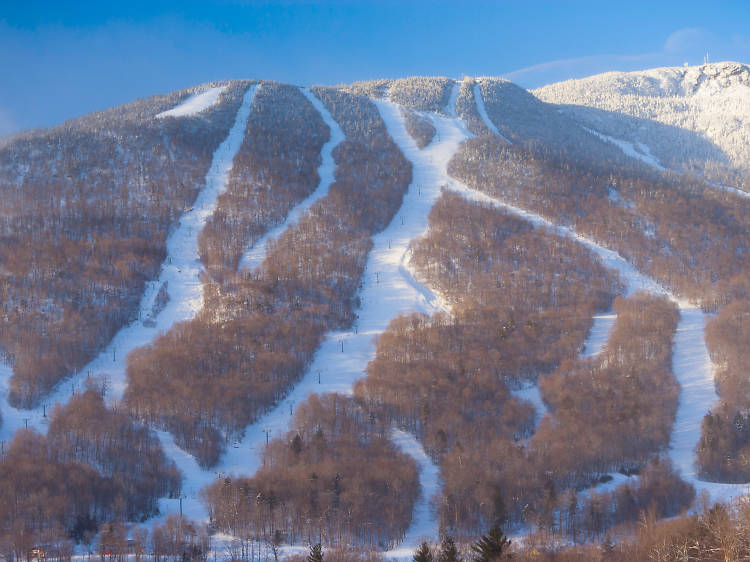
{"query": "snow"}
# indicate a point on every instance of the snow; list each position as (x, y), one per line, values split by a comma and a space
(598, 334)
(483, 113)
(450, 109)
(195, 103)
(255, 255)
(639, 151)
(692, 119)
(422, 527)
(181, 271)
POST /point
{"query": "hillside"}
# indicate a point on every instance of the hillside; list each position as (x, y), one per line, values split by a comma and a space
(688, 119)
(248, 316)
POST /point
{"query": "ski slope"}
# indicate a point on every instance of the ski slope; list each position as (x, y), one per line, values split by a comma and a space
(195, 103)
(255, 255)
(388, 289)
(181, 274)
(483, 113)
(691, 363)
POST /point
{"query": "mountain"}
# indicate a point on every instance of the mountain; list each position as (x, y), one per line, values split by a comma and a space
(688, 119)
(375, 313)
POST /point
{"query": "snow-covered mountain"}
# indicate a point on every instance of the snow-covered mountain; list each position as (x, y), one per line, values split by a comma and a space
(693, 118)
(378, 313)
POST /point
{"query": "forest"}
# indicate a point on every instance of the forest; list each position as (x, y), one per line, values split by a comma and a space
(207, 379)
(516, 321)
(84, 219)
(693, 239)
(722, 453)
(334, 479)
(528, 434)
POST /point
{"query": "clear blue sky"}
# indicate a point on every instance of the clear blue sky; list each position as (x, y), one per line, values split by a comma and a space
(61, 59)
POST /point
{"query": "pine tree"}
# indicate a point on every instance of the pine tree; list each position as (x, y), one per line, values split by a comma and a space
(316, 553)
(448, 551)
(491, 547)
(423, 554)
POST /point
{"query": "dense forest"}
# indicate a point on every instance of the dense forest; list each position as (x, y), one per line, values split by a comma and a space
(334, 479)
(693, 239)
(94, 466)
(723, 450)
(84, 219)
(207, 379)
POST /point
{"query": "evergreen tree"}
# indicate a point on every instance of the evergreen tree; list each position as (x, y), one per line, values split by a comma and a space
(423, 554)
(448, 551)
(316, 553)
(492, 546)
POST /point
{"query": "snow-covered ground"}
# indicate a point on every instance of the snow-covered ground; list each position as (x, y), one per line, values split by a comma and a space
(483, 113)
(423, 525)
(254, 255)
(450, 109)
(195, 103)
(181, 273)
(639, 151)
(598, 334)
(388, 289)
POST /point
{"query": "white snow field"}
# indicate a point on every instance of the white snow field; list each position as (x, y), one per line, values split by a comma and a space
(598, 334)
(450, 109)
(195, 103)
(181, 274)
(255, 255)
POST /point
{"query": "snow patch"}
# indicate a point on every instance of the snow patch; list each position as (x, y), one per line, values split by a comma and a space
(194, 104)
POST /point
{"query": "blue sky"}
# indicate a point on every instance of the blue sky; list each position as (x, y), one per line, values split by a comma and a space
(64, 59)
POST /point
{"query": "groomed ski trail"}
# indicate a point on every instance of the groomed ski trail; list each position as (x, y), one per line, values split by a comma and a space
(195, 103)
(181, 274)
(691, 363)
(255, 255)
